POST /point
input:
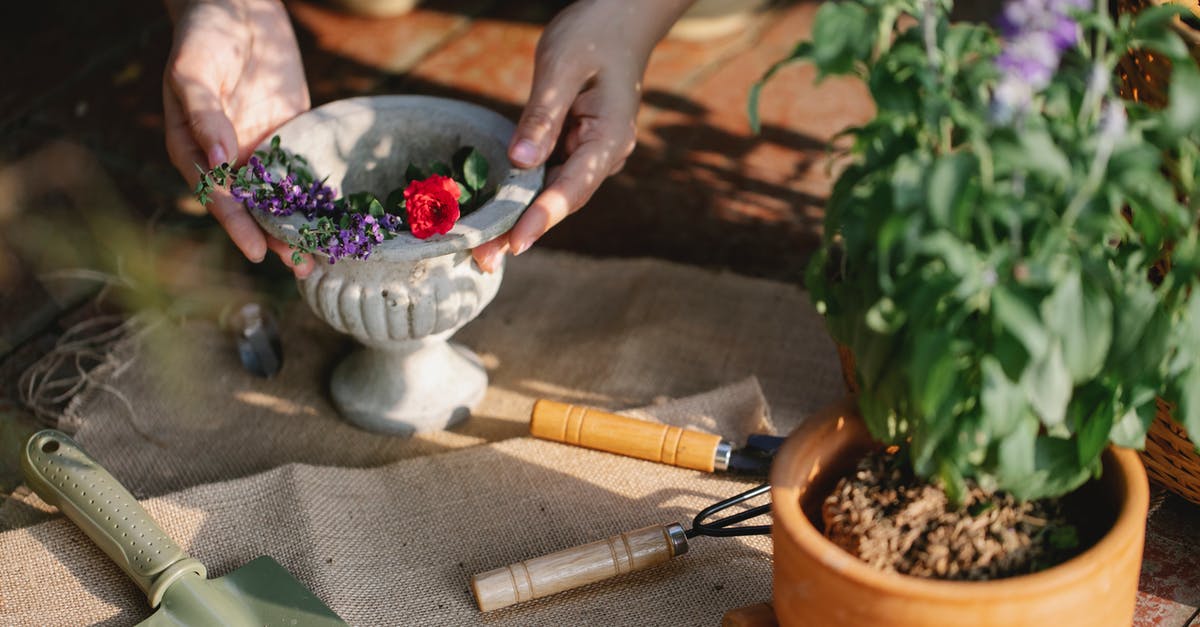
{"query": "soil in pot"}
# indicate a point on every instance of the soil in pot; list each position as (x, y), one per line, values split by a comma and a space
(896, 522)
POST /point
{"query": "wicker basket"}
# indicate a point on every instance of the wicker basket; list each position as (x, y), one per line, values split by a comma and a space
(1169, 456)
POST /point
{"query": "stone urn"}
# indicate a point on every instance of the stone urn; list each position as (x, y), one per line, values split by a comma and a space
(411, 295)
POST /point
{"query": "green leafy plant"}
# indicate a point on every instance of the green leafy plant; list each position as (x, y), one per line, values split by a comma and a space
(994, 244)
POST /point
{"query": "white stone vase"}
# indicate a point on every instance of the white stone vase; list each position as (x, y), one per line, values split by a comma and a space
(411, 295)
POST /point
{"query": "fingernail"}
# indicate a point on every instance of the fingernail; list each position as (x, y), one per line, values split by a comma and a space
(216, 156)
(521, 247)
(525, 152)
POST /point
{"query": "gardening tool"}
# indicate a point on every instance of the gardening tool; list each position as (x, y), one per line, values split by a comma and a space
(259, 593)
(620, 554)
(651, 441)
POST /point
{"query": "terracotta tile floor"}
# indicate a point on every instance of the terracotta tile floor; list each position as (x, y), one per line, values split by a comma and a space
(80, 137)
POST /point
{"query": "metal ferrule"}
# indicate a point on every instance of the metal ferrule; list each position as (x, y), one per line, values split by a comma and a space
(678, 537)
(722, 455)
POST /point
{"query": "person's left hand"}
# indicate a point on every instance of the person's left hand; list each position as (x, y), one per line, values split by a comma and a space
(587, 84)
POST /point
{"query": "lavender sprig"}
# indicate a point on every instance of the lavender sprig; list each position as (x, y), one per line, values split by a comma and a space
(1037, 33)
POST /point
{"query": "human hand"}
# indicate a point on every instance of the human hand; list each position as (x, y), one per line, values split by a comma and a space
(234, 75)
(587, 85)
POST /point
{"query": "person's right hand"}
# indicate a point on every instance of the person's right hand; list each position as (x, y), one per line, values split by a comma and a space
(233, 77)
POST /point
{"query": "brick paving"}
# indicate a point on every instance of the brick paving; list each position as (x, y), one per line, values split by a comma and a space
(83, 113)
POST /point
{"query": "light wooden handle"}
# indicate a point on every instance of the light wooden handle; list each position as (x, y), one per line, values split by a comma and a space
(577, 566)
(592, 428)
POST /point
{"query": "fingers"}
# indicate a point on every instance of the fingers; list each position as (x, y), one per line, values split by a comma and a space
(203, 116)
(242, 228)
(574, 184)
(555, 85)
(185, 154)
(489, 255)
(284, 250)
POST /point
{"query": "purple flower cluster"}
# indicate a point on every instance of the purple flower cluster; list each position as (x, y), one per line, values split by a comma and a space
(283, 197)
(358, 235)
(1036, 33)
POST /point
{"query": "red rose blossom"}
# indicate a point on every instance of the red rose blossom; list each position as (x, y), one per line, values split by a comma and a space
(432, 205)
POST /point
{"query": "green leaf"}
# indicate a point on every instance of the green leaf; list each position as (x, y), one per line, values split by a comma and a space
(475, 170)
(908, 184)
(360, 202)
(1002, 400)
(1130, 320)
(1183, 108)
(464, 194)
(1152, 30)
(1042, 155)
(1130, 430)
(414, 173)
(948, 181)
(934, 374)
(1019, 318)
(441, 168)
(1047, 385)
(802, 51)
(1080, 315)
(1092, 411)
(842, 36)
(374, 207)
(394, 204)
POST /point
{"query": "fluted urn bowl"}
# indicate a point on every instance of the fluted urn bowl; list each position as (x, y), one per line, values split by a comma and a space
(411, 295)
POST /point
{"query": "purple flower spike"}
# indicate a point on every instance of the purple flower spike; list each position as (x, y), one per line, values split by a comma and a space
(1037, 33)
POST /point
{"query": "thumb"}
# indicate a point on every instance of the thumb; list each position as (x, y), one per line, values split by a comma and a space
(205, 117)
(541, 122)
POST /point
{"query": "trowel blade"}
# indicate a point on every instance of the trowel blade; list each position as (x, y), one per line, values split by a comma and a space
(260, 593)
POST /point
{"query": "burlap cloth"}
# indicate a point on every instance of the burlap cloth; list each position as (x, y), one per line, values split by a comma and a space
(391, 536)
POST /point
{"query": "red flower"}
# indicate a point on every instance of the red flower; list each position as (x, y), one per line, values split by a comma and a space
(432, 205)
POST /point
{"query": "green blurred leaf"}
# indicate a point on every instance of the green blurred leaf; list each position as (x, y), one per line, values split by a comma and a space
(933, 379)
(414, 173)
(1081, 317)
(1183, 109)
(1130, 430)
(948, 180)
(1152, 30)
(1047, 385)
(1091, 412)
(843, 35)
(1002, 400)
(1020, 319)
(802, 51)
(441, 168)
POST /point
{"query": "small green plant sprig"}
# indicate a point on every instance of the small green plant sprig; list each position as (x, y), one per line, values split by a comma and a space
(992, 239)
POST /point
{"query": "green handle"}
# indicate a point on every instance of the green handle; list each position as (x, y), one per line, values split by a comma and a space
(64, 476)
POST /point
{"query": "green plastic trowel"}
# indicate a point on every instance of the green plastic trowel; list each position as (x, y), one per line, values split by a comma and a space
(260, 593)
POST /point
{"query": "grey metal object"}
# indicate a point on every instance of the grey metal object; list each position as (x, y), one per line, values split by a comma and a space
(258, 343)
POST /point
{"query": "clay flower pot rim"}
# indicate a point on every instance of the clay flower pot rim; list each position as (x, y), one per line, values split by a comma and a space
(514, 190)
(789, 517)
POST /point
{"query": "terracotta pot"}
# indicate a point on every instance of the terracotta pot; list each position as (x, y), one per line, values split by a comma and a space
(818, 583)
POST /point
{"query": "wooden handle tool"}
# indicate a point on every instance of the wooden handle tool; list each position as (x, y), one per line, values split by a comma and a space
(578, 566)
(651, 441)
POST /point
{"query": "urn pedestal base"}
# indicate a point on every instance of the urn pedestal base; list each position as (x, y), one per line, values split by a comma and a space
(428, 386)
